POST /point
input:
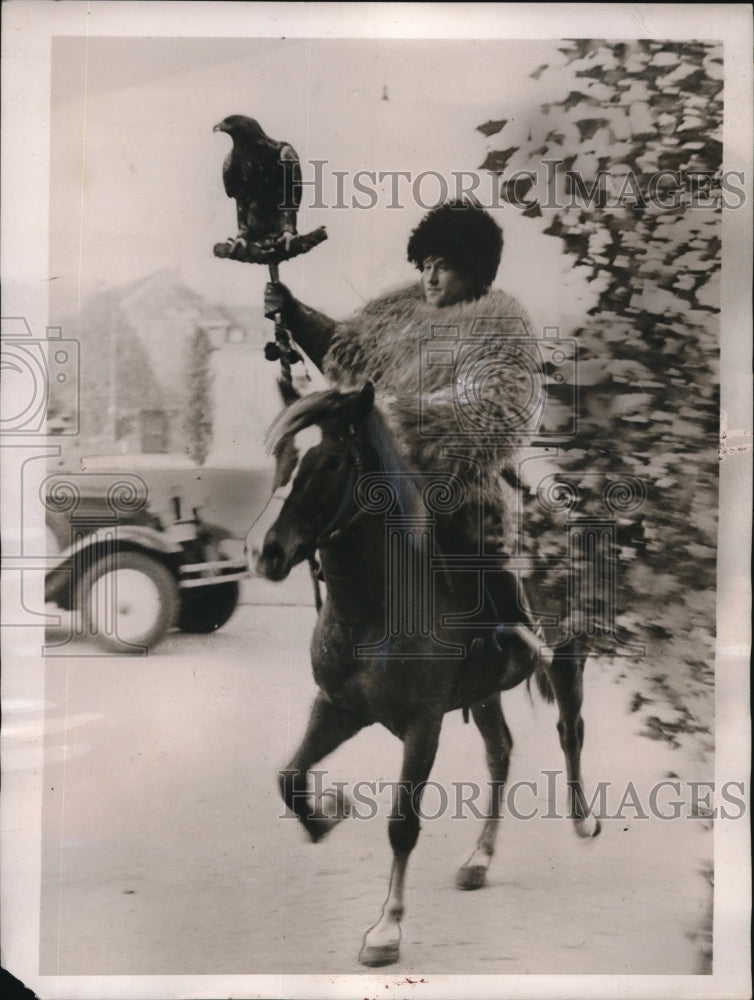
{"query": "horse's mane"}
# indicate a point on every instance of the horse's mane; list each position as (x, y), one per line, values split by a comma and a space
(307, 411)
(328, 409)
(392, 462)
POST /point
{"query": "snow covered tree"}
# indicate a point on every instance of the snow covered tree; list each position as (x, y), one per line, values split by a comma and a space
(624, 167)
(200, 405)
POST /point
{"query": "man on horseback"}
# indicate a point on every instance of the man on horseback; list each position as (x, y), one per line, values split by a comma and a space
(452, 391)
(459, 414)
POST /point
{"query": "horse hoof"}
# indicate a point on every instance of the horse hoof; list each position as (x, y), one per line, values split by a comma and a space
(588, 827)
(334, 804)
(471, 877)
(319, 827)
(375, 955)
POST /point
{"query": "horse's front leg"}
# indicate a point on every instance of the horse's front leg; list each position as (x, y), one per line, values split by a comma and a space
(382, 942)
(498, 743)
(566, 675)
(329, 726)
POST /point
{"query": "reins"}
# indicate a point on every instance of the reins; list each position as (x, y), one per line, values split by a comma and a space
(333, 528)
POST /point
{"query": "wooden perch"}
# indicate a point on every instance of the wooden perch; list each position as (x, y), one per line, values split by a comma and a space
(270, 251)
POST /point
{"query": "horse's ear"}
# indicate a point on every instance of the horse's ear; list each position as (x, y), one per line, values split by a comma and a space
(364, 403)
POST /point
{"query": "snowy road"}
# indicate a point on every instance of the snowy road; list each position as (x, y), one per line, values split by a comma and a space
(165, 850)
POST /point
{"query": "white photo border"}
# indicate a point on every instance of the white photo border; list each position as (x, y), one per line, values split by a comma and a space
(27, 32)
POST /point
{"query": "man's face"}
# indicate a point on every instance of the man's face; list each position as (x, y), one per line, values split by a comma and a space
(444, 284)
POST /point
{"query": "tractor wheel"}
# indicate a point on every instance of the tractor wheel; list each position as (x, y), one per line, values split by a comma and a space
(127, 602)
(205, 609)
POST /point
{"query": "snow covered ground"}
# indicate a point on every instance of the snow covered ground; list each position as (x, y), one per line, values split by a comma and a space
(166, 851)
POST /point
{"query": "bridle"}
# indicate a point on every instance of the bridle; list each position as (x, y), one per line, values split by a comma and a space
(334, 528)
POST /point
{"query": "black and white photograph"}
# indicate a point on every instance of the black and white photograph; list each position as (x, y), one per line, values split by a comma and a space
(376, 446)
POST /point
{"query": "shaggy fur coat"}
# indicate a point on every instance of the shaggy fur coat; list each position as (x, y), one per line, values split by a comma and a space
(450, 389)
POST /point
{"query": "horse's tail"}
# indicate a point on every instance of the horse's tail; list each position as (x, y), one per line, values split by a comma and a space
(574, 649)
(543, 681)
(540, 655)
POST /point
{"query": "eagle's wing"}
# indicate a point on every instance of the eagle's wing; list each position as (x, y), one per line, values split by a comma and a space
(231, 175)
(291, 177)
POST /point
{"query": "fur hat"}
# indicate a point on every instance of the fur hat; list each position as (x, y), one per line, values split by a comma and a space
(466, 236)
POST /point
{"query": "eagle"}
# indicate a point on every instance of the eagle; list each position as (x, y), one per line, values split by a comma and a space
(264, 177)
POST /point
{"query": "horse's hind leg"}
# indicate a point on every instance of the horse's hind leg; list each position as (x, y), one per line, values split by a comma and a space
(490, 721)
(382, 942)
(566, 675)
(329, 726)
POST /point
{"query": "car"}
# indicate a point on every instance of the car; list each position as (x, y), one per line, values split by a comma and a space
(144, 544)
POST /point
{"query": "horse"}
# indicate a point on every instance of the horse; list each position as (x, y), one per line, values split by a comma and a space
(345, 493)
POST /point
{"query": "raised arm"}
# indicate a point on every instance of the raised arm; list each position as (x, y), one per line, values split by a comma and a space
(312, 330)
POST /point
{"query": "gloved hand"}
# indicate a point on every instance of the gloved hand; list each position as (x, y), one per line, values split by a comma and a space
(277, 299)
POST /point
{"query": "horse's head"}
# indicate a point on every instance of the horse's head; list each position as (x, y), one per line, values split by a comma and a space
(320, 481)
